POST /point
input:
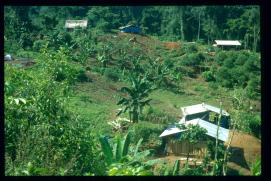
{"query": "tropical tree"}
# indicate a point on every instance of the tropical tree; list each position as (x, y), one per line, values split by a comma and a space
(137, 97)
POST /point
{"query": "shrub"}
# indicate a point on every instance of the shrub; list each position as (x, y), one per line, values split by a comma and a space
(193, 59)
(58, 65)
(38, 44)
(208, 76)
(255, 125)
(250, 123)
(112, 74)
(82, 77)
(191, 48)
(213, 85)
(220, 57)
(254, 88)
(241, 59)
(156, 116)
(39, 129)
(145, 130)
(228, 62)
(199, 88)
(224, 77)
(256, 167)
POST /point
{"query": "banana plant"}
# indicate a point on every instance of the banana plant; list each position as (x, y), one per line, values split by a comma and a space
(104, 54)
(176, 167)
(137, 97)
(120, 162)
(174, 171)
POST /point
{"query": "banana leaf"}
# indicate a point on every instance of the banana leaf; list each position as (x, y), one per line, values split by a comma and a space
(106, 150)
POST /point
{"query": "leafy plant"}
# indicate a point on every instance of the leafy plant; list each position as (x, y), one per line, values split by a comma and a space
(256, 167)
(120, 162)
(112, 74)
(137, 99)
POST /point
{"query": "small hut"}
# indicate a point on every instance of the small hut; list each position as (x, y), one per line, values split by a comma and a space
(196, 115)
(198, 150)
(73, 24)
(227, 44)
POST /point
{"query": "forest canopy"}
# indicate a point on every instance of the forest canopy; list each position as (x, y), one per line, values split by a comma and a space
(186, 23)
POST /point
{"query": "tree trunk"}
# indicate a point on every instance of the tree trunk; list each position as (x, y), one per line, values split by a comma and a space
(227, 151)
(135, 116)
(254, 38)
(199, 27)
(181, 24)
(217, 133)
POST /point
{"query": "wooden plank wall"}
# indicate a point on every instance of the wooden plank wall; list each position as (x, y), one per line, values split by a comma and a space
(182, 148)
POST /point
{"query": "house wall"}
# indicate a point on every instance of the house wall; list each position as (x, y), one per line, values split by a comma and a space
(205, 116)
(202, 115)
(182, 148)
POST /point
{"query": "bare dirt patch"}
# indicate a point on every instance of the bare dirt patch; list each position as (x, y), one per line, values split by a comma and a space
(245, 150)
(172, 45)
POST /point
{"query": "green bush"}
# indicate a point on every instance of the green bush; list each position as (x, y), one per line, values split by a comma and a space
(58, 65)
(220, 57)
(254, 88)
(38, 44)
(145, 130)
(39, 129)
(193, 59)
(255, 125)
(199, 88)
(213, 85)
(112, 74)
(156, 116)
(239, 69)
(256, 168)
(208, 76)
(191, 48)
(82, 77)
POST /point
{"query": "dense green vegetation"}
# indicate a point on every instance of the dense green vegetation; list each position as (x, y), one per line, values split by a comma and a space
(65, 114)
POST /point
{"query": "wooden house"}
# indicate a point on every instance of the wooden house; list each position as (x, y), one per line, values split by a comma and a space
(195, 115)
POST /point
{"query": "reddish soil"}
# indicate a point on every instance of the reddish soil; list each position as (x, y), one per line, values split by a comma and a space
(172, 45)
(246, 149)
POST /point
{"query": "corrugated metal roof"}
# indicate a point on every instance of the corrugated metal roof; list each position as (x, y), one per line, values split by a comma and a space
(76, 23)
(198, 108)
(211, 129)
(223, 133)
(228, 42)
(170, 131)
(215, 109)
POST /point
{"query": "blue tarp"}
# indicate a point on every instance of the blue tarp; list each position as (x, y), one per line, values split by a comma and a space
(131, 29)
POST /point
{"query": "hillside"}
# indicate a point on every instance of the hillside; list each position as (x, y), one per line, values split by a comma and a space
(93, 100)
(101, 95)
